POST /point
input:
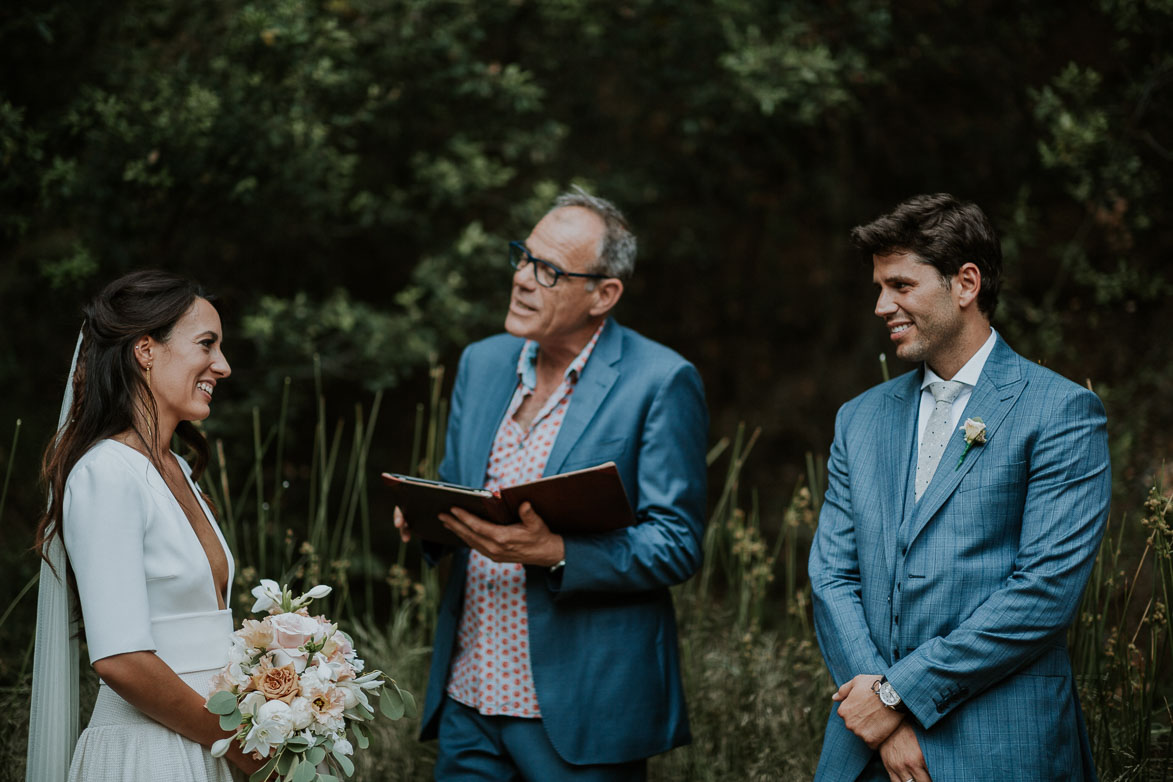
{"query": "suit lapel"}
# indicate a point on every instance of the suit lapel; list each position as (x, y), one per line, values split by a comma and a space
(997, 389)
(492, 402)
(594, 384)
(901, 407)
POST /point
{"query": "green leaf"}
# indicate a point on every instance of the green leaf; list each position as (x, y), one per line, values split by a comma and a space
(230, 721)
(222, 702)
(286, 762)
(347, 765)
(409, 703)
(327, 778)
(305, 772)
(298, 743)
(391, 703)
(360, 736)
(261, 774)
(315, 755)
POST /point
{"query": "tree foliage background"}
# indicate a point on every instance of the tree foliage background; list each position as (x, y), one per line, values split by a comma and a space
(344, 174)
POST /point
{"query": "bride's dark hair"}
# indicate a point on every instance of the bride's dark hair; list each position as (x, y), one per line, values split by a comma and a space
(108, 383)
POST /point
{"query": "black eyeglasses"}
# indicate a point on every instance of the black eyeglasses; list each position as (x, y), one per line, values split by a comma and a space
(545, 273)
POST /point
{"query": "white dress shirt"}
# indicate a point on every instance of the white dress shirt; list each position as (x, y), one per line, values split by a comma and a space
(968, 375)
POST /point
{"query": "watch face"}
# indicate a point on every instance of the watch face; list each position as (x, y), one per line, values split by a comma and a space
(888, 695)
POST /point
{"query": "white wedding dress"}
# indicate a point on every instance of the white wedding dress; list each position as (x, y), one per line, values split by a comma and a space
(145, 584)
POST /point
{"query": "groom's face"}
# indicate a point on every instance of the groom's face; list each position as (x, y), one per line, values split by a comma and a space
(921, 311)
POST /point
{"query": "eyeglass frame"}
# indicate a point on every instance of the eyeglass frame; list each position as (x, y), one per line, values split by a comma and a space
(530, 258)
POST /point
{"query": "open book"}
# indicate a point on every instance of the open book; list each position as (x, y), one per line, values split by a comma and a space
(583, 501)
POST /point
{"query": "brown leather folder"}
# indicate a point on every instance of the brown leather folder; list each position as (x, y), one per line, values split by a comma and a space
(573, 503)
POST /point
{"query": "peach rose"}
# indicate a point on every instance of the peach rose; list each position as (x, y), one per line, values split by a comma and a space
(277, 684)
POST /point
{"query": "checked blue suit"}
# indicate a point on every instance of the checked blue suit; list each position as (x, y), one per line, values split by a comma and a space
(963, 599)
(602, 628)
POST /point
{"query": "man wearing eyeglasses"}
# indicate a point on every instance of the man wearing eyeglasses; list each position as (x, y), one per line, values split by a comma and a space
(556, 656)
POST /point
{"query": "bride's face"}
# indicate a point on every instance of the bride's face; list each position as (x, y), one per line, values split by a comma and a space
(186, 368)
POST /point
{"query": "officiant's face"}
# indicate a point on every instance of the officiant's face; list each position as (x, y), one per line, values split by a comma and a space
(569, 239)
(920, 310)
(188, 365)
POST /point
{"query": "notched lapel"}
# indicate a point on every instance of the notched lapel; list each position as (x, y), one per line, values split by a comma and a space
(487, 409)
(598, 376)
(998, 389)
(901, 406)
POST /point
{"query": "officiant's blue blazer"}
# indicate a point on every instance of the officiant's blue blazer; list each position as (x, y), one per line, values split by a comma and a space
(963, 599)
(602, 629)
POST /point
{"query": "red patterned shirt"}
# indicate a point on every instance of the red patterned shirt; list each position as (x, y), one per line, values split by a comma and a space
(491, 668)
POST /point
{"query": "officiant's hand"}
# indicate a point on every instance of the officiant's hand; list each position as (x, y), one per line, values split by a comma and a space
(531, 542)
(863, 713)
(401, 525)
(902, 756)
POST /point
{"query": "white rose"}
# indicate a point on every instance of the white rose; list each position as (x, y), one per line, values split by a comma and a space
(975, 431)
(272, 725)
(250, 703)
(303, 715)
(279, 658)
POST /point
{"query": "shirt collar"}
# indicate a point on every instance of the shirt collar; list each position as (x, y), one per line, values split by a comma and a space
(972, 370)
(527, 362)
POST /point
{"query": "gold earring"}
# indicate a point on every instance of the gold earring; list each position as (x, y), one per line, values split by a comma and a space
(148, 377)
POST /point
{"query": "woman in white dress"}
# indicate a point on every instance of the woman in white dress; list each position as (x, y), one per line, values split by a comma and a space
(150, 566)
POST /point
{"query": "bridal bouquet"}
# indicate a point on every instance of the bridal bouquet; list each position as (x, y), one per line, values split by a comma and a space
(294, 690)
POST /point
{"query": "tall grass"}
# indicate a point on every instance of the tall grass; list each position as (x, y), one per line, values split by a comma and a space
(758, 691)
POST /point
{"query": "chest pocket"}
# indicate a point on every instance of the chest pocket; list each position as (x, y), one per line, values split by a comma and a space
(609, 450)
(993, 475)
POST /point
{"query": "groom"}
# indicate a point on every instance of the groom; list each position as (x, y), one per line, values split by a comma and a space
(965, 504)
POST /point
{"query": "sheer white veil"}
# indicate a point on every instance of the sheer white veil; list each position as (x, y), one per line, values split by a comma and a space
(53, 710)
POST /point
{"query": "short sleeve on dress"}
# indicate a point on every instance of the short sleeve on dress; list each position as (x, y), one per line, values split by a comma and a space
(105, 512)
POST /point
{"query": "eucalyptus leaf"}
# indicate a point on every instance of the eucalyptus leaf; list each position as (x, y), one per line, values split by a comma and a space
(298, 743)
(391, 704)
(230, 721)
(222, 702)
(261, 774)
(305, 772)
(409, 704)
(345, 762)
(360, 736)
(315, 755)
(285, 763)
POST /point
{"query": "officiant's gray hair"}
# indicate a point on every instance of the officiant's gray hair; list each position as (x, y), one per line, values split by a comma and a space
(617, 248)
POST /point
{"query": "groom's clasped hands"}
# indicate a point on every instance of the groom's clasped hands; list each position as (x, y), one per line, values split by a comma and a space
(881, 728)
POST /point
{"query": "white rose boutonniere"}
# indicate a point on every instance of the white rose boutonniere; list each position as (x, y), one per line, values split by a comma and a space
(975, 434)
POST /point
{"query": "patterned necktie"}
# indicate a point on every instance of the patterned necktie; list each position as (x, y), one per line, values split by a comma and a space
(937, 432)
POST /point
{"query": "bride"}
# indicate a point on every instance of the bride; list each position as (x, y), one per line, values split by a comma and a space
(142, 551)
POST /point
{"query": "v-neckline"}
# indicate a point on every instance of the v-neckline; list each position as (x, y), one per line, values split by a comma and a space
(189, 526)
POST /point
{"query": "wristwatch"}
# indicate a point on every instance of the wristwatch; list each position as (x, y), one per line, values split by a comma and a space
(888, 695)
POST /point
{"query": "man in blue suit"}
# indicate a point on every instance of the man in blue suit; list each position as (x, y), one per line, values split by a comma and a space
(965, 505)
(556, 656)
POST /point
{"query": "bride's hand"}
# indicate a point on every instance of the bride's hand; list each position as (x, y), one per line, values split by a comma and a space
(246, 763)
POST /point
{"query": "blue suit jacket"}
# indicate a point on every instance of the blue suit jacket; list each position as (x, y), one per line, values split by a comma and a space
(963, 599)
(602, 630)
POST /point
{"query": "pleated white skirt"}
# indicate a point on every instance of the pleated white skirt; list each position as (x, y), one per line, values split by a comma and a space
(121, 744)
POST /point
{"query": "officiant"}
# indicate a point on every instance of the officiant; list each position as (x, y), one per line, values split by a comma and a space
(555, 656)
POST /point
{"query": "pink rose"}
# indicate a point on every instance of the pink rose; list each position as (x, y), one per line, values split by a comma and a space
(292, 630)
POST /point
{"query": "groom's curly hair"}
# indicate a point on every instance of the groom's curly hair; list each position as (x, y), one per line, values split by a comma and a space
(942, 231)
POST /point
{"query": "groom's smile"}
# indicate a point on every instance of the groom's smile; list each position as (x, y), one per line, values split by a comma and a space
(918, 306)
